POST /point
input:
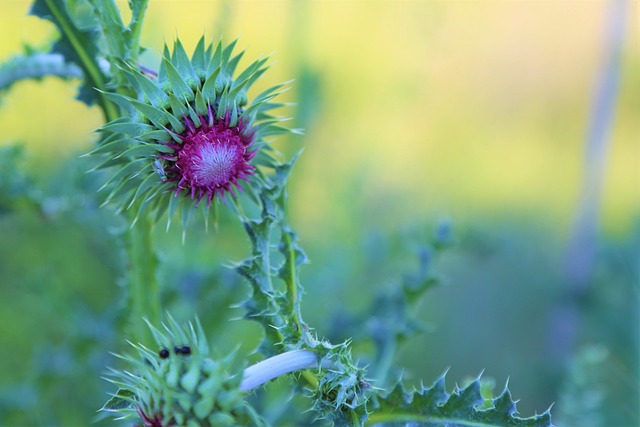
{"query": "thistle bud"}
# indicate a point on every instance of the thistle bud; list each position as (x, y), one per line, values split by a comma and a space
(189, 132)
(342, 387)
(179, 388)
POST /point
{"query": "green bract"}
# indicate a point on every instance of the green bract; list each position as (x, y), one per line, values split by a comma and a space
(342, 391)
(190, 132)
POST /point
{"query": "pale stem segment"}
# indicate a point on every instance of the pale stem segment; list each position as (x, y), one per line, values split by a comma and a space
(276, 366)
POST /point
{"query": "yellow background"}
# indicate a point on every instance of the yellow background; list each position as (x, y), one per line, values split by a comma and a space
(460, 108)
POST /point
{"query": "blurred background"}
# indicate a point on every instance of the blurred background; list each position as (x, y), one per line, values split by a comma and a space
(419, 116)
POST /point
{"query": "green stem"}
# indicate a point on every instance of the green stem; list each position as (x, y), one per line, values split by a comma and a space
(262, 249)
(144, 295)
(135, 26)
(311, 378)
(291, 279)
(114, 32)
(290, 276)
(87, 63)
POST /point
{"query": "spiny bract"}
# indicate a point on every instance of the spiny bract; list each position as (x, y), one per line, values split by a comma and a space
(342, 389)
(190, 132)
(178, 384)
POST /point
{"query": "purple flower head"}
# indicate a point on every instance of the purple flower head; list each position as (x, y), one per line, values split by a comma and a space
(190, 133)
(211, 159)
(152, 420)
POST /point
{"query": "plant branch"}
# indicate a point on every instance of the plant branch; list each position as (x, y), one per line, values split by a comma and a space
(36, 66)
(138, 9)
(290, 276)
(144, 294)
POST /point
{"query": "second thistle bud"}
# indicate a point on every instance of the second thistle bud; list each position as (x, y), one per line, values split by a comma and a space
(180, 385)
(342, 387)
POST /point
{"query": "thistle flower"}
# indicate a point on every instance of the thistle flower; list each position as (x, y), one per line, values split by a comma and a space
(190, 132)
(179, 384)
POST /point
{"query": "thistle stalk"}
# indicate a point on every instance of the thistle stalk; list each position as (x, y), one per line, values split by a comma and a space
(135, 26)
(291, 278)
(144, 295)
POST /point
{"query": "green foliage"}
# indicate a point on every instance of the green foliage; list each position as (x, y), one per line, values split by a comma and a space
(35, 65)
(390, 319)
(90, 50)
(179, 382)
(112, 27)
(433, 406)
(338, 388)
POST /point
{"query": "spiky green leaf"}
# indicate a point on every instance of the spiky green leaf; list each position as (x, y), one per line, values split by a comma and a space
(36, 65)
(210, 88)
(434, 407)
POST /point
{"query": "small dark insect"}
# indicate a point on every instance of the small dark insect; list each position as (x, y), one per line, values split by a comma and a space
(185, 349)
(164, 353)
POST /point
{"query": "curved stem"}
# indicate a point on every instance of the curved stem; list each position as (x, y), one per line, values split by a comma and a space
(276, 366)
(138, 10)
(290, 276)
(36, 66)
(91, 68)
